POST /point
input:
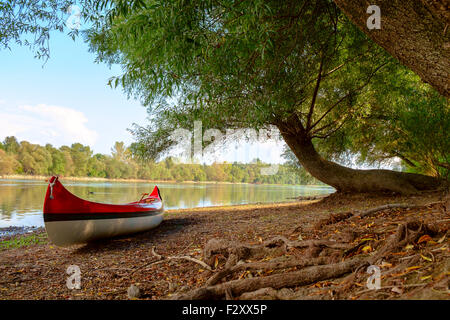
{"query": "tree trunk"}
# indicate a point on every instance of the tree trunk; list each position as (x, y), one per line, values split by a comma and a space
(416, 32)
(352, 180)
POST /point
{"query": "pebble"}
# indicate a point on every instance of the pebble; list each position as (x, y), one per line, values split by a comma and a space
(173, 286)
(133, 292)
(183, 288)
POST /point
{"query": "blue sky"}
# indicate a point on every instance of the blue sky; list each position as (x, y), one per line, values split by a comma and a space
(68, 100)
(70, 85)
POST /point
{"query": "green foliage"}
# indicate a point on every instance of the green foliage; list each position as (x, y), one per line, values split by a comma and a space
(247, 65)
(250, 65)
(80, 157)
(8, 163)
(24, 241)
(414, 129)
(10, 145)
(78, 161)
(119, 151)
(34, 159)
(237, 64)
(58, 160)
(29, 23)
(96, 166)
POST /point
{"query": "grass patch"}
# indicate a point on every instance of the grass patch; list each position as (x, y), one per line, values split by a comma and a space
(24, 241)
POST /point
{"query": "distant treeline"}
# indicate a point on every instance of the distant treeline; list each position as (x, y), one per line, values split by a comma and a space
(79, 161)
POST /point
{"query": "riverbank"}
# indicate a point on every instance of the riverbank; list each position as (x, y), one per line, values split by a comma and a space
(7, 232)
(97, 179)
(310, 234)
(91, 179)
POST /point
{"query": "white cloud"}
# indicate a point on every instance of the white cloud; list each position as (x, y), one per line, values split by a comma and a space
(46, 124)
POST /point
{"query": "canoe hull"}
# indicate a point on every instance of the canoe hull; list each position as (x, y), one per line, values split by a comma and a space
(71, 220)
(66, 233)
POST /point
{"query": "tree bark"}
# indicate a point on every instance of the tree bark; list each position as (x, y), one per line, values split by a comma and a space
(416, 32)
(347, 179)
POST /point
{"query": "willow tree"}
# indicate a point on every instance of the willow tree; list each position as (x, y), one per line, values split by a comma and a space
(300, 66)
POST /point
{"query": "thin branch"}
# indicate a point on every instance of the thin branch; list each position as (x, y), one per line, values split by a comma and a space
(443, 165)
(316, 90)
(344, 118)
(329, 133)
(409, 162)
(162, 259)
(390, 287)
(347, 95)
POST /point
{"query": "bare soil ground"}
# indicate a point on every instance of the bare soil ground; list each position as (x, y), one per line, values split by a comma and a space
(313, 249)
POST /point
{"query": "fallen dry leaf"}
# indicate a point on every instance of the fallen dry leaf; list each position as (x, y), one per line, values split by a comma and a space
(424, 238)
(385, 264)
(441, 239)
(412, 268)
(426, 258)
(397, 290)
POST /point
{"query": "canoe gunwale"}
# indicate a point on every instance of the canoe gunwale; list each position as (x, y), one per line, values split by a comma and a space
(60, 201)
(48, 217)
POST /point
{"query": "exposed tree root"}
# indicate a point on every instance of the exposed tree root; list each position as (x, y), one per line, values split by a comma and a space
(335, 218)
(316, 270)
(236, 253)
(275, 246)
(297, 278)
(264, 292)
(272, 265)
(277, 285)
(162, 259)
(406, 233)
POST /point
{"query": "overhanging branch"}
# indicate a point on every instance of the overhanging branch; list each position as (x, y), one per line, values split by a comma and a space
(346, 96)
(314, 97)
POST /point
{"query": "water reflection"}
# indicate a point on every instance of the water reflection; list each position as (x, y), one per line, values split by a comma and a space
(21, 201)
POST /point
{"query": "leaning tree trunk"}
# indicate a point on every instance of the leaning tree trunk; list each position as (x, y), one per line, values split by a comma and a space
(416, 32)
(352, 180)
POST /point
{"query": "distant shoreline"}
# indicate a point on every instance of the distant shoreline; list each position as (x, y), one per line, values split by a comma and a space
(30, 177)
(94, 179)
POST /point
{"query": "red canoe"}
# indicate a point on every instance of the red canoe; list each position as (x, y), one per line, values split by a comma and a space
(71, 220)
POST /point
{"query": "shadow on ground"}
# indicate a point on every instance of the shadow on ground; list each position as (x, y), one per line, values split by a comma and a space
(168, 227)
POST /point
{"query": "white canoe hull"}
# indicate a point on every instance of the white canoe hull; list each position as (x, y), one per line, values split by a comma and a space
(66, 233)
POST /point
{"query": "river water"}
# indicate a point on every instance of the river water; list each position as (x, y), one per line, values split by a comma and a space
(21, 201)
